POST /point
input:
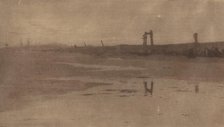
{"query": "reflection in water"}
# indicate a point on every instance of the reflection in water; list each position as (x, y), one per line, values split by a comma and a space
(147, 90)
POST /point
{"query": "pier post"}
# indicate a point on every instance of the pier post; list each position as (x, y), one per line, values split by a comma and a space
(102, 43)
(151, 37)
(196, 88)
(195, 38)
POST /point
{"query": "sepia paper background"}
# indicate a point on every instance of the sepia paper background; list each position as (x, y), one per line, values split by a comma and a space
(111, 63)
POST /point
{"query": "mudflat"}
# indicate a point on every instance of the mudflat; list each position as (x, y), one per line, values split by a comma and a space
(44, 89)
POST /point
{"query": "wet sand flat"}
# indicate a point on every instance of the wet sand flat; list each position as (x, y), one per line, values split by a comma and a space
(37, 90)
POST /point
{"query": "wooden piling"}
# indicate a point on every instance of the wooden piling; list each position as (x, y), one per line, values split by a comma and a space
(151, 37)
(197, 88)
(6, 45)
(195, 38)
(102, 43)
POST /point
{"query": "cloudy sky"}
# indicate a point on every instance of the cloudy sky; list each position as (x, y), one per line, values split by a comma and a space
(113, 21)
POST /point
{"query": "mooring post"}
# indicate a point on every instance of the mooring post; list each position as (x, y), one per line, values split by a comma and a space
(6, 45)
(102, 43)
(195, 38)
(196, 88)
(21, 43)
(145, 49)
(144, 39)
(196, 43)
(151, 37)
(194, 49)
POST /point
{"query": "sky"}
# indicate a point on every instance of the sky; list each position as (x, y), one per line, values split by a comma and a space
(113, 21)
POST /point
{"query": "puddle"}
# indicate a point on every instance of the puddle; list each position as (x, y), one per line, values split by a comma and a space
(111, 90)
(106, 81)
(143, 77)
(185, 115)
(87, 94)
(124, 96)
(103, 67)
(173, 87)
(126, 87)
(97, 83)
(128, 91)
(183, 90)
(105, 93)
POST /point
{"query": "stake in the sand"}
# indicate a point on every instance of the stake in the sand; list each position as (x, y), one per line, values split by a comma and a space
(196, 88)
(147, 90)
(21, 43)
(6, 45)
(194, 51)
(196, 43)
(151, 37)
(84, 44)
(195, 38)
(145, 39)
(102, 43)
